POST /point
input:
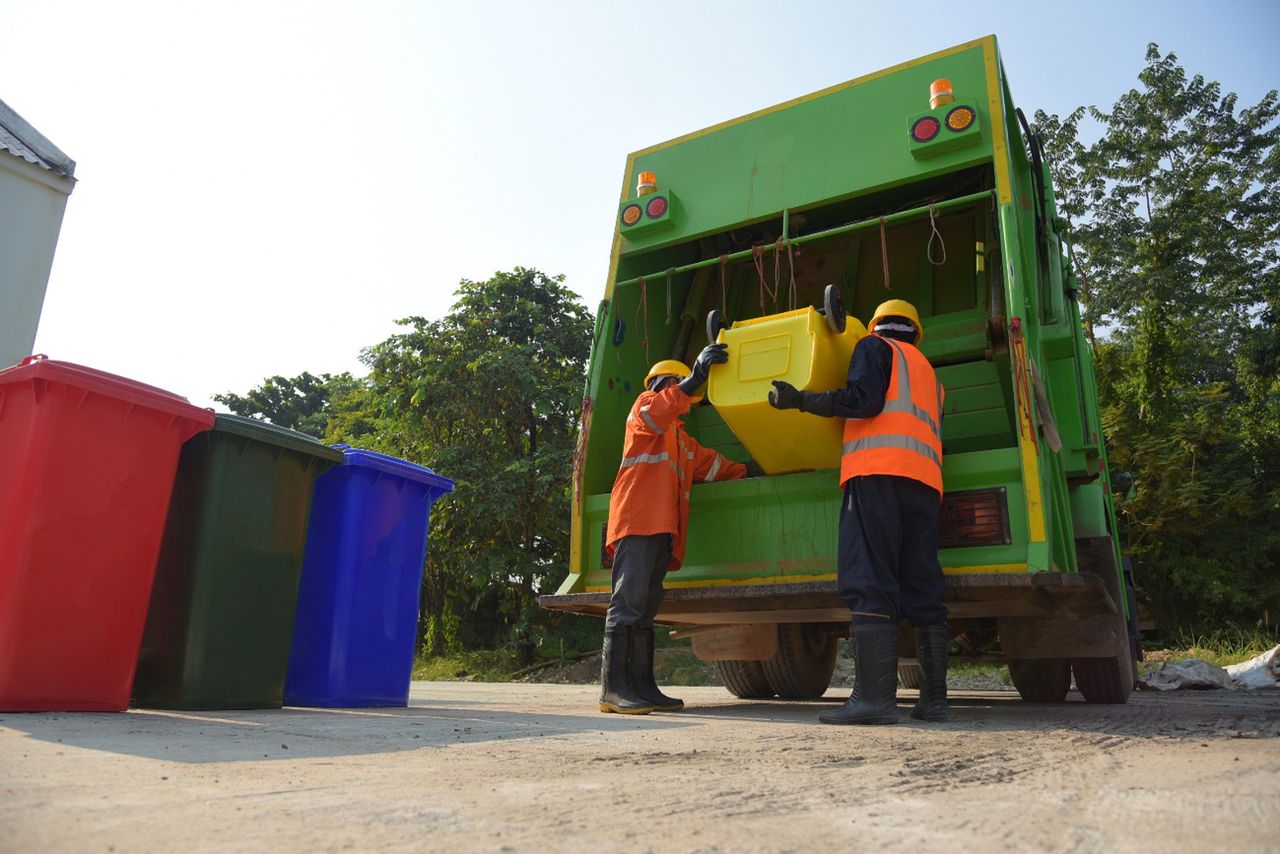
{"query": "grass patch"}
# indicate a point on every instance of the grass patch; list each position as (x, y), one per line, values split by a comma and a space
(1223, 647)
(483, 665)
(979, 671)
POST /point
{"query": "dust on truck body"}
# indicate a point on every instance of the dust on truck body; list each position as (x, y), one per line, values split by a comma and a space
(865, 186)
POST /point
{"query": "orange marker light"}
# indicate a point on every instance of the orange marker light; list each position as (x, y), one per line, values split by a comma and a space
(960, 118)
(630, 214)
(940, 93)
(648, 184)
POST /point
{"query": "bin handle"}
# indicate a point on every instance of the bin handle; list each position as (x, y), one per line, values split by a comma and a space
(35, 357)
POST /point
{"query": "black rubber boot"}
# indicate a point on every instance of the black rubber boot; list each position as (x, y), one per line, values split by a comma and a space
(874, 697)
(931, 649)
(616, 691)
(642, 673)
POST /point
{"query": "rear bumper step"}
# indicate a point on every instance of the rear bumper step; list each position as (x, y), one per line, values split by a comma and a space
(1033, 594)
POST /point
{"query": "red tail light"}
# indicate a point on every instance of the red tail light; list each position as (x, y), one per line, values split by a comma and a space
(925, 129)
(976, 517)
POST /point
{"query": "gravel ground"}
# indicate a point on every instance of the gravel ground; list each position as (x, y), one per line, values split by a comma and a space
(522, 767)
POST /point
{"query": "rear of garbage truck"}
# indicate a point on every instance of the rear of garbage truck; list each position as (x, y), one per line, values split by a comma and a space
(921, 182)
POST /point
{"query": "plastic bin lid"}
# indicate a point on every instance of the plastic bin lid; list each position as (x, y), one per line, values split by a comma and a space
(283, 437)
(108, 385)
(394, 465)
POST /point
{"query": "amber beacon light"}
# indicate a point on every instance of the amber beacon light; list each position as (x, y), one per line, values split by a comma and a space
(940, 93)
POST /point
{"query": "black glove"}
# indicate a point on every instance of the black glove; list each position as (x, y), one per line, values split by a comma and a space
(754, 470)
(712, 354)
(785, 396)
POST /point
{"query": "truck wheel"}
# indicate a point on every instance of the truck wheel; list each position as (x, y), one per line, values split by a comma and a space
(744, 679)
(910, 675)
(1110, 679)
(1041, 680)
(801, 668)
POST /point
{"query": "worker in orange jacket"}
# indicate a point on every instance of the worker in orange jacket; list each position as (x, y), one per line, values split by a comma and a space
(891, 473)
(648, 526)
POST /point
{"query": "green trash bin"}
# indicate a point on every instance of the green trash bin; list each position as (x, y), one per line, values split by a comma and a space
(221, 617)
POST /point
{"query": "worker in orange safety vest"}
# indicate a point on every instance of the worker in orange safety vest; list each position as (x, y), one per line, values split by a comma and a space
(891, 473)
(648, 525)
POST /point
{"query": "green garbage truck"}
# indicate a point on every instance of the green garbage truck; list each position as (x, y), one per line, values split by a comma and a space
(922, 182)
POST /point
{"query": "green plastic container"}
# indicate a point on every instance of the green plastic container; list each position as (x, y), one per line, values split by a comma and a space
(221, 617)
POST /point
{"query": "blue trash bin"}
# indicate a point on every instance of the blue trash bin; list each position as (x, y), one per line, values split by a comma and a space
(357, 614)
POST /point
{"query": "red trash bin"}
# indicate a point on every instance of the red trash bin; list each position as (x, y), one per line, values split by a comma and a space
(87, 463)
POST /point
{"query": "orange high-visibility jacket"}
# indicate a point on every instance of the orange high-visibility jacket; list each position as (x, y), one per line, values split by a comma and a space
(660, 463)
(905, 439)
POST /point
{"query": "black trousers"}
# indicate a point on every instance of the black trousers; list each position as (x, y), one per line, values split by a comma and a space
(888, 562)
(640, 563)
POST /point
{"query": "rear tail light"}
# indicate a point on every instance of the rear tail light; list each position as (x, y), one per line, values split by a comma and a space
(925, 129)
(976, 517)
(657, 207)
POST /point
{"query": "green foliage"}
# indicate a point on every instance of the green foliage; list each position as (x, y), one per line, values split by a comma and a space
(488, 396)
(300, 403)
(1175, 215)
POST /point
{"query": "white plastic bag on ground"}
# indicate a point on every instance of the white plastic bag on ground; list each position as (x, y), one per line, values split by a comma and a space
(1261, 671)
(1192, 673)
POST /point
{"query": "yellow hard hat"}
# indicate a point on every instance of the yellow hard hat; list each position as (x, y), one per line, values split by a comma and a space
(897, 308)
(669, 368)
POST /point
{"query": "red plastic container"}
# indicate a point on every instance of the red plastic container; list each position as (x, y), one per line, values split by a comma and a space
(87, 463)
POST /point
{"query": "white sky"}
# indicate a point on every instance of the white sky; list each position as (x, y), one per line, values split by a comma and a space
(265, 187)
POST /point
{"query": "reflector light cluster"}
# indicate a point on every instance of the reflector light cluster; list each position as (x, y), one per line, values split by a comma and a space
(958, 119)
(649, 213)
(976, 517)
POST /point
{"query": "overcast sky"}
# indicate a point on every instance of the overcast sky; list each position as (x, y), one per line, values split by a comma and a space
(265, 187)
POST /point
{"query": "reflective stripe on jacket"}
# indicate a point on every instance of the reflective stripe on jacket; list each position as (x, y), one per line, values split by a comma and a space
(660, 464)
(905, 439)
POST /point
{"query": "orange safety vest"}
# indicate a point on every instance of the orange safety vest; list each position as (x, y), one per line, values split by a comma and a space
(660, 463)
(905, 439)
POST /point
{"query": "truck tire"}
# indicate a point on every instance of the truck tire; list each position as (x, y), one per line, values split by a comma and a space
(801, 668)
(910, 675)
(1041, 680)
(1110, 679)
(744, 679)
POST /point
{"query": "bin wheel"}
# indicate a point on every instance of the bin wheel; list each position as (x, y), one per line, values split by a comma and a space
(910, 675)
(744, 679)
(715, 322)
(801, 668)
(1041, 680)
(833, 308)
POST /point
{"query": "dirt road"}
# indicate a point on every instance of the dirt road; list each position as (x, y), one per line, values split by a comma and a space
(533, 767)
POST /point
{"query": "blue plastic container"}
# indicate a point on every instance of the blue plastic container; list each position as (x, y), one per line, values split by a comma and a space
(357, 615)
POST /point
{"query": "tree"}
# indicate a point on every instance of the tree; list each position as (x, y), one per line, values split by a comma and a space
(488, 396)
(299, 403)
(1174, 217)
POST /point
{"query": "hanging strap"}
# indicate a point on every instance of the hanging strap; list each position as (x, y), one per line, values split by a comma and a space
(884, 254)
(670, 273)
(793, 296)
(935, 235)
(642, 317)
(757, 255)
(724, 299)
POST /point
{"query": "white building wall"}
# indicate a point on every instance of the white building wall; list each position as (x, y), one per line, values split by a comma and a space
(32, 201)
